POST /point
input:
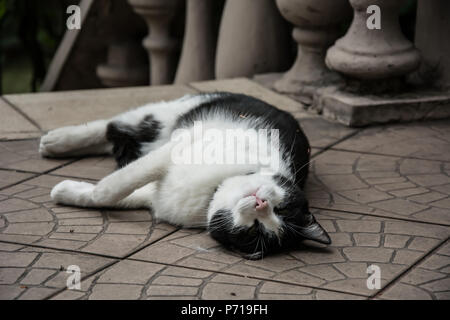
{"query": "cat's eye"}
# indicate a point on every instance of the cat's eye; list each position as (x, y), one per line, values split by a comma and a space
(282, 212)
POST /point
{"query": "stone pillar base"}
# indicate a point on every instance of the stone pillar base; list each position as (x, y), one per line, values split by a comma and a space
(362, 110)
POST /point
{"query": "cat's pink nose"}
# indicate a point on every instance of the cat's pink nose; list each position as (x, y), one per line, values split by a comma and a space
(260, 204)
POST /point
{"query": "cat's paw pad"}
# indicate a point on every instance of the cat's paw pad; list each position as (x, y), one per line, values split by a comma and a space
(72, 192)
(56, 142)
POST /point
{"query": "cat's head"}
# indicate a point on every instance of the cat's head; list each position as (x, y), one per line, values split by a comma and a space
(260, 214)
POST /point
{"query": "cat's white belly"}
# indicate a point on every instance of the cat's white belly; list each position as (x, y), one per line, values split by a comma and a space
(184, 195)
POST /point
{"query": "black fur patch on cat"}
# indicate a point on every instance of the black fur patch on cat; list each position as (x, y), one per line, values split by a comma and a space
(239, 106)
(256, 243)
(294, 211)
(253, 241)
(127, 139)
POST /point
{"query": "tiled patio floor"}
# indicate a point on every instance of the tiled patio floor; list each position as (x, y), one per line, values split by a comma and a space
(383, 194)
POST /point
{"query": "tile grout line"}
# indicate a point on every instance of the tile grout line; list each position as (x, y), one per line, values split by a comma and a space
(409, 269)
(387, 155)
(19, 139)
(37, 174)
(381, 216)
(331, 145)
(59, 249)
(23, 114)
(190, 86)
(30, 138)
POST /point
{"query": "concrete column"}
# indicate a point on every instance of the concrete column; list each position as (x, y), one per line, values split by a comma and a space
(253, 38)
(373, 54)
(432, 39)
(316, 27)
(160, 45)
(199, 44)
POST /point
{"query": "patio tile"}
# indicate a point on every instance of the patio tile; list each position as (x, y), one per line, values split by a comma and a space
(321, 133)
(358, 241)
(425, 140)
(56, 109)
(90, 168)
(13, 125)
(36, 273)
(11, 177)
(251, 88)
(28, 216)
(430, 279)
(381, 185)
(130, 279)
(23, 155)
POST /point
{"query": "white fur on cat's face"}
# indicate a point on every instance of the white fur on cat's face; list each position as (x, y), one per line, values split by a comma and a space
(237, 194)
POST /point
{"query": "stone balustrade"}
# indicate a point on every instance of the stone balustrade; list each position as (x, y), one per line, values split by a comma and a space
(372, 57)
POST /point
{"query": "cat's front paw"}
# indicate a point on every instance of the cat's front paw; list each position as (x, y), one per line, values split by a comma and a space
(73, 193)
(56, 142)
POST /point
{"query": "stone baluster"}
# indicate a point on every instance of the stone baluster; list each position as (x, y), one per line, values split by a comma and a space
(371, 54)
(160, 45)
(126, 65)
(253, 38)
(316, 27)
(126, 62)
(199, 43)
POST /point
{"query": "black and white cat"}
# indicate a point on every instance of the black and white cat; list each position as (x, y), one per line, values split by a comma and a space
(255, 207)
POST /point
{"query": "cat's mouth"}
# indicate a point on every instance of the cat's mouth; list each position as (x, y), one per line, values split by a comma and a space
(261, 203)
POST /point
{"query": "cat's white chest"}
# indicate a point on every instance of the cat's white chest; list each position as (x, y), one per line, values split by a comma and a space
(183, 196)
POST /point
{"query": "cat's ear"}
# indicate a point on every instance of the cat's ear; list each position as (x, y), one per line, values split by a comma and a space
(314, 231)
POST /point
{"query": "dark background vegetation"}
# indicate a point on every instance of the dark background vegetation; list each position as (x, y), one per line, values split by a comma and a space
(31, 30)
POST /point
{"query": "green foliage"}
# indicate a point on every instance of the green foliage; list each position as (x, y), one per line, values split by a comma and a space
(2, 8)
(30, 30)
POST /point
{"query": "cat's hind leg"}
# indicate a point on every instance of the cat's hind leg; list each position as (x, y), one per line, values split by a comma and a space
(142, 125)
(89, 138)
